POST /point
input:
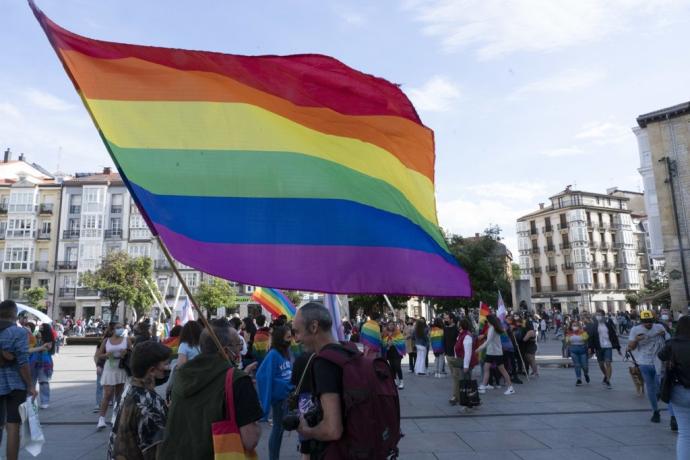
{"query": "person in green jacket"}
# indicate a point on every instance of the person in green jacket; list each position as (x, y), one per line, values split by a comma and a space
(198, 395)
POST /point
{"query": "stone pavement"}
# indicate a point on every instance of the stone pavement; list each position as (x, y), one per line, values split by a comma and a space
(548, 418)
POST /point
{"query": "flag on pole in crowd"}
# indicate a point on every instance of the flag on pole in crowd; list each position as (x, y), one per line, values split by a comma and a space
(204, 140)
(187, 313)
(501, 311)
(484, 311)
(331, 303)
(275, 302)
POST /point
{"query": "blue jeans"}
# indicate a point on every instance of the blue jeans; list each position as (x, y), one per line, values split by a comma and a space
(276, 438)
(650, 384)
(680, 398)
(99, 388)
(38, 375)
(579, 356)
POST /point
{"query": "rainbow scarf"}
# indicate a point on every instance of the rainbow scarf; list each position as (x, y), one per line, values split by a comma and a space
(173, 343)
(275, 302)
(296, 349)
(483, 326)
(262, 343)
(206, 140)
(371, 335)
(396, 340)
(436, 336)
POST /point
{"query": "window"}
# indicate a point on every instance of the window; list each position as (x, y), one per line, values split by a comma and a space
(92, 225)
(191, 279)
(22, 201)
(20, 228)
(547, 223)
(589, 219)
(45, 228)
(72, 254)
(73, 224)
(116, 223)
(602, 237)
(554, 286)
(139, 250)
(75, 204)
(537, 284)
(569, 282)
(18, 258)
(94, 199)
(69, 281)
(116, 203)
(601, 221)
(44, 284)
(564, 223)
(549, 243)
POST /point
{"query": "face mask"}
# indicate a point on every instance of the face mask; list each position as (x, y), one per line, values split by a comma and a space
(576, 328)
(664, 317)
(119, 331)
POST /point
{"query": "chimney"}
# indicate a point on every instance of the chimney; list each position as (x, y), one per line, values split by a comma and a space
(107, 170)
(541, 205)
(21, 157)
(8, 156)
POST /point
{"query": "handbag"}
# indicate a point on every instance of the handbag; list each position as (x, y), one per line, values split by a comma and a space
(30, 432)
(469, 393)
(667, 382)
(227, 442)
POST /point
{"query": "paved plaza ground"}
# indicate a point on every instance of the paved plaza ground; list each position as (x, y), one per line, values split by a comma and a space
(548, 418)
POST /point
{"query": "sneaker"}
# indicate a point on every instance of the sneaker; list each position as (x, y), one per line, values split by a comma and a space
(509, 391)
(401, 385)
(481, 389)
(44, 406)
(101, 423)
(489, 387)
(674, 424)
(604, 382)
(608, 386)
(452, 401)
(656, 417)
(587, 378)
(578, 383)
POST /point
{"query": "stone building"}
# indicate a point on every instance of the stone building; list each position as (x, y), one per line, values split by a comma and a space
(580, 252)
(664, 136)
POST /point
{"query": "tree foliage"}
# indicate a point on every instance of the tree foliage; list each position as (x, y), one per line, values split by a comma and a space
(294, 296)
(653, 289)
(375, 303)
(36, 297)
(216, 293)
(484, 259)
(122, 278)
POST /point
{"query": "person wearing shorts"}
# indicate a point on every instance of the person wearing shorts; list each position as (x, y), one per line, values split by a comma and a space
(494, 355)
(15, 374)
(603, 339)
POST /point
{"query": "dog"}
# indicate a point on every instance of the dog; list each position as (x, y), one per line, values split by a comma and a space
(636, 376)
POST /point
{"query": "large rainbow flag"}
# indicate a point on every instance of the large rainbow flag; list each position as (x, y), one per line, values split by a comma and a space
(275, 302)
(296, 172)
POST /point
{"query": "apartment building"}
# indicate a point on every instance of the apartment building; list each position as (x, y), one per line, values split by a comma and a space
(663, 139)
(581, 252)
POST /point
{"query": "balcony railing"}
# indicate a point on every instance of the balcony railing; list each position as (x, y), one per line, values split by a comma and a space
(66, 265)
(70, 234)
(43, 236)
(607, 266)
(3, 208)
(535, 250)
(161, 265)
(113, 234)
(67, 293)
(551, 268)
(45, 208)
(550, 248)
(558, 288)
(116, 210)
(565, 246)
(533, 231)
(75, 209)
(604, 246)
(567, 266)
(41, 266)
(547, 229)
(87, 292)
(562, 226)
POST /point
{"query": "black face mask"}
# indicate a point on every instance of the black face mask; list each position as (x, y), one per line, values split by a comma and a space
(161, 381)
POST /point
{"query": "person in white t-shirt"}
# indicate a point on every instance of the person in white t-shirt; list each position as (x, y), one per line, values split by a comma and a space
(603, 339)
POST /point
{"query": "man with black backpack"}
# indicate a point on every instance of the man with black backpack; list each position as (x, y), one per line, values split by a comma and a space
(357, 411)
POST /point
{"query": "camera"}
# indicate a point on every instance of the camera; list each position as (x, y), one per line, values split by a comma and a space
(291, 420)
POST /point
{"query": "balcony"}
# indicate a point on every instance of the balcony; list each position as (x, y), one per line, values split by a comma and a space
(590, 225)
(87, 292)
(533, 231)
(75, 209)
(43, 236)
(560, 288)
(139, 234)
(41, 266)
(547, 229)
(607, 266)
(550, 248)
(116, 209)
(567, 267)
(45, 208)
(70, 234)
(113, 234)
(535, 270)
(604, 246)
(66, 265)
(551, 268)
(3, 208)
(161, 265)
(565, 246)
(562, 226)
(535, 250)
(67, 293)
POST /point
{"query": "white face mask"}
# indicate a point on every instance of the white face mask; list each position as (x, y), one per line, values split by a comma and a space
(664, 317)
(119, 331)
(576, 328)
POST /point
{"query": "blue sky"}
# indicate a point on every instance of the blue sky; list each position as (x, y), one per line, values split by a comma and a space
(525, 97)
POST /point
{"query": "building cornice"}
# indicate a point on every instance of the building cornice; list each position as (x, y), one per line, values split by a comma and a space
(664, 114)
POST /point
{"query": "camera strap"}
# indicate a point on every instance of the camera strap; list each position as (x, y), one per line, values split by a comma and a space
(304, 372)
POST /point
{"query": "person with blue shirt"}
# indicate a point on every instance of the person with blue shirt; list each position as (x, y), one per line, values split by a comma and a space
(273, 382)
(15, 374)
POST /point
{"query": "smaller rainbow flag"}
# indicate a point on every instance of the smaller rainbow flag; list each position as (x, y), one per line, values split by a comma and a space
(436, 336)
(397, 340)
(275, 302)
(262, 342)
(371, 335)
(173, 343)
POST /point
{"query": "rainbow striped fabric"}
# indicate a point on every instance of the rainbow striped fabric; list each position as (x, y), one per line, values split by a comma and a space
(397, 340)
(436, 337)
(232, 158)
(275, 302)
(370, 335)
(262, 343)
(296, 349)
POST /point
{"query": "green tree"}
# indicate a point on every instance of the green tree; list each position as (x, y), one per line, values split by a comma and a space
(216, 293)
(633, 298)
(122, 279)
(36, 297)
(375, 303)
(294, 296)
(484, 259)
(655, 289)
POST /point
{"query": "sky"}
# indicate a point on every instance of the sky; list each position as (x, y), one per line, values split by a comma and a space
(525, 96)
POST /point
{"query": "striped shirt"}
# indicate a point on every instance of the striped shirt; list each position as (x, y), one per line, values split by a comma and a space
(15, 340)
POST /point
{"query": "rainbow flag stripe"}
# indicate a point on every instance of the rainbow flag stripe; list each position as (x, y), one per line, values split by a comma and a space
(436, 336)
(205, 140)
(275, 302)
(371, 335)
(397, 340)
(262, 343)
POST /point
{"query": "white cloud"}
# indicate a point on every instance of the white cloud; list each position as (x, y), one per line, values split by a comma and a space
(563, 152)
(517, 191)
(349, 16)
(567, 80)
(499, 27)
(47, 101)
(604, 133)
(436, 95)
(10, 111)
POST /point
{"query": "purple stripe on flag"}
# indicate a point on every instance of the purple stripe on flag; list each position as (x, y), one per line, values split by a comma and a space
(333, 269)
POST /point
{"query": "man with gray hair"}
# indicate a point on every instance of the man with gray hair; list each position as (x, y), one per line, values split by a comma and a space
(198, 397)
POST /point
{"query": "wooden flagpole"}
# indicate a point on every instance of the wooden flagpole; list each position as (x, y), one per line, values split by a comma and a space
(187, 291)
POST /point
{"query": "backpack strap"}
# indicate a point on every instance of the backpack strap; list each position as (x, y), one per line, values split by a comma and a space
(338, 358)
(230, 396)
